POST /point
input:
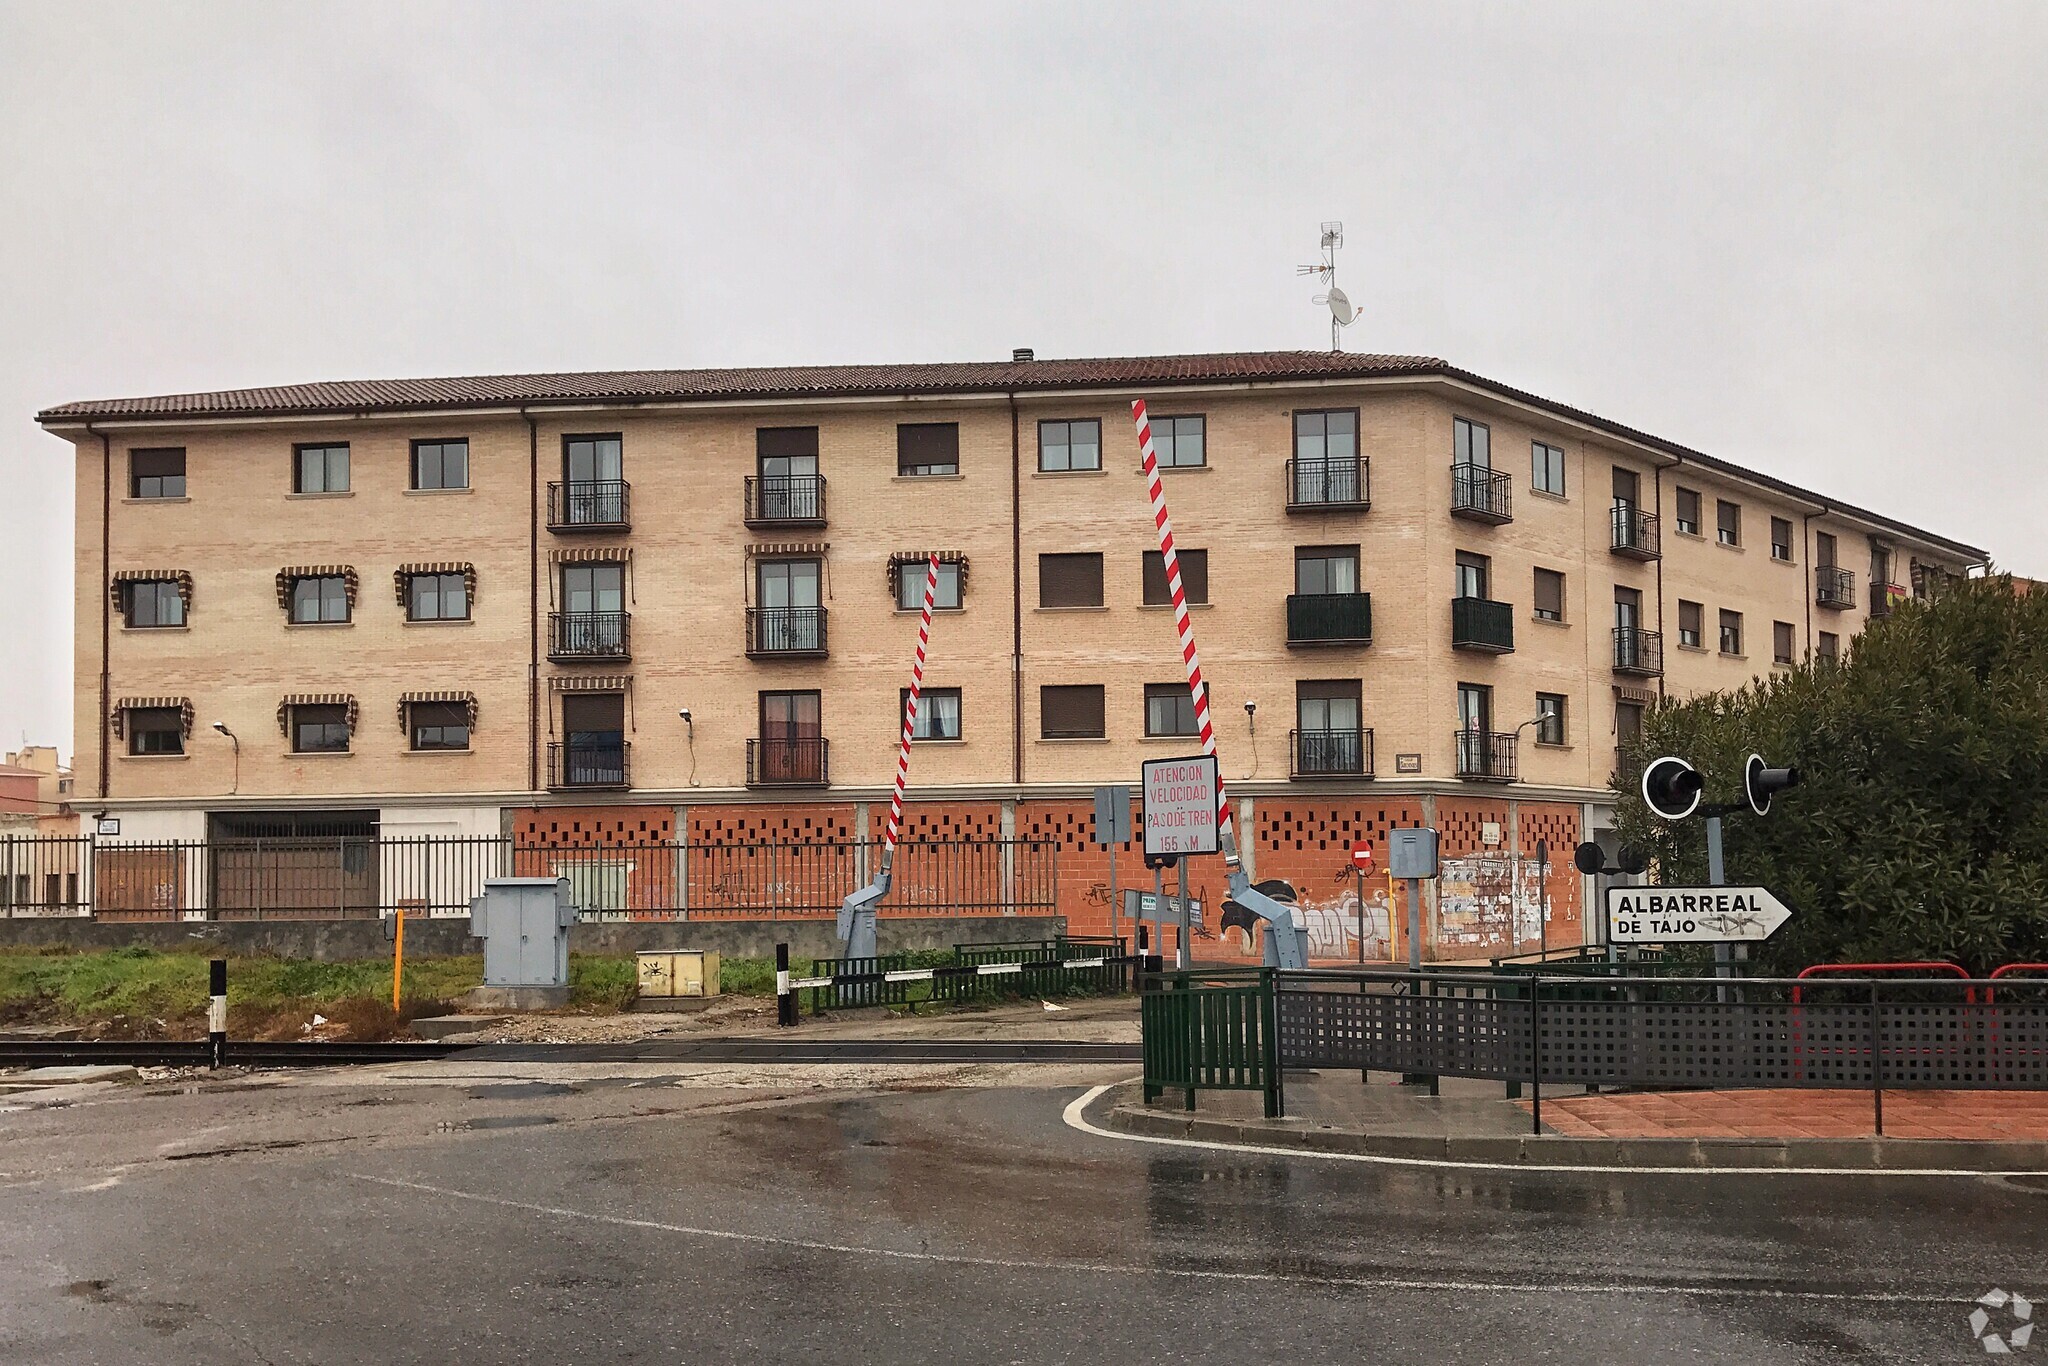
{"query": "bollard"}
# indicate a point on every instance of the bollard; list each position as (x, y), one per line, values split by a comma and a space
(785, 999)
(217, 1012)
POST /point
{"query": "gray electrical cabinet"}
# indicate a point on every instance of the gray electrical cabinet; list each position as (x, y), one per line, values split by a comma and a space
(524, 923)
(1411, 853)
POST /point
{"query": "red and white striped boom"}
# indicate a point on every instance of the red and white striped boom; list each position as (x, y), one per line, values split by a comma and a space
(1189, 655)
(924, 637)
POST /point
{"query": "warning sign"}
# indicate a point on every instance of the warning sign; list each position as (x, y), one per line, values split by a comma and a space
(1180, 805)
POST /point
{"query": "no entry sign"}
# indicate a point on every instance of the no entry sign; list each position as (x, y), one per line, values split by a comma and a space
(1361, 856)
(1180, 805)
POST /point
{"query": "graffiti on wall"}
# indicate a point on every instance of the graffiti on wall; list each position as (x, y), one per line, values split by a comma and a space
(1334, 927)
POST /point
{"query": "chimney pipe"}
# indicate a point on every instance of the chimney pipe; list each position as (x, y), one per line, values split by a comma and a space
(1022, 353)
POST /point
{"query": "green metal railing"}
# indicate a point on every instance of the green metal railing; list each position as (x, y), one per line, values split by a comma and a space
(1211, 1031)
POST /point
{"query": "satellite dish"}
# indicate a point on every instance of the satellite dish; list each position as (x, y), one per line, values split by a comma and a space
(1340, 306)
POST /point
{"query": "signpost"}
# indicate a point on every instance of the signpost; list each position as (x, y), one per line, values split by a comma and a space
(1180, 805)
(1693, 915)
(1113, 827)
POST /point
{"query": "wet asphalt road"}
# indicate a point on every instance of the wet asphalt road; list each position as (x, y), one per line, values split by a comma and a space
(522, 1223)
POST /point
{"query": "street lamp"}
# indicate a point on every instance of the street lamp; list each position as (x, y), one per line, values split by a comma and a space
(236, 785)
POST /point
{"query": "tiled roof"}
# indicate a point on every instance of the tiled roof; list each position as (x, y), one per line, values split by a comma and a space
(335, 397)
(786, 381)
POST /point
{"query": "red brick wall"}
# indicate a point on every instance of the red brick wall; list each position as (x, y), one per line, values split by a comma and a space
(1308, 841)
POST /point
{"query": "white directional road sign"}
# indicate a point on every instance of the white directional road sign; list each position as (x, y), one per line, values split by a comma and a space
(1692, 915)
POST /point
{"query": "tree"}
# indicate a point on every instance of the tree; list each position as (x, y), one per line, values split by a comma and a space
(1921, 828)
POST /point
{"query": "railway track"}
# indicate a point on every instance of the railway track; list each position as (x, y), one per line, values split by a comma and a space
(767, 1052)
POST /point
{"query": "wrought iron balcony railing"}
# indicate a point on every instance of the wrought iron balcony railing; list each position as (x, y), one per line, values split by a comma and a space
(1639, 652)
(1331, 753)
(800, 762)
(576, 636)
(590, 505)
(1635, 532)
(1479, 494)
(785, 500)
(1487, 756)
(1834, 587)
(785, 632)
(1329, 485)
(590, 763)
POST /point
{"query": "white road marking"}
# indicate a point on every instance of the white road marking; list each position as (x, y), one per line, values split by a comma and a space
(1546, 1288)
(1076, 1120)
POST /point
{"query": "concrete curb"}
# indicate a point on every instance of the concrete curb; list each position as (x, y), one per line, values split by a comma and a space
(1868, 1154)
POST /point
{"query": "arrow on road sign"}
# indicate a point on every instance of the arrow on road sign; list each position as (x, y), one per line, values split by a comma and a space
(1693, 915)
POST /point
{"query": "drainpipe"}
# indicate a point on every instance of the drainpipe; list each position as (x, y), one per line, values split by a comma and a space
(532, 602)
(1806, 572)
(1657, 494)
(106, 602)
(1016, 602)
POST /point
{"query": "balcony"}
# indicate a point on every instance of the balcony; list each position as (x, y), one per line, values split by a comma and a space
(1482, 624)
(1884, 597)
(1638, 652)
(1834, 587)
(1480, 495)
(1485, 756)
(1330, 753)
(577, 637)
(590, 505)
(785, 633)
(583, 764)
(1329, 485)
(1329, 618)
(799, 762)
(1635, 533)
(784, 500)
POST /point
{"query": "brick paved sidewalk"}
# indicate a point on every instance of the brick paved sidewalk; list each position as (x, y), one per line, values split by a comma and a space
(1981, 1115)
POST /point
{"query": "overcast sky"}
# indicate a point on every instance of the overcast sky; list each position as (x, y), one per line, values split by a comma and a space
(1809, 238)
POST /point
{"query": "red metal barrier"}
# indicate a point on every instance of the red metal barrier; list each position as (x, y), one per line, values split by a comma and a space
(1879, 969)
(2013, 970)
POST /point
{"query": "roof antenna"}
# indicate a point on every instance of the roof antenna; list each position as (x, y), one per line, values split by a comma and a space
(1339, 304)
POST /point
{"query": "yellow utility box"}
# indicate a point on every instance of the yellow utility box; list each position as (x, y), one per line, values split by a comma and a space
(668, 975)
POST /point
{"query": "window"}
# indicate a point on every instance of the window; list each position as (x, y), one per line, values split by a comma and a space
(1628, 487)
(1781, 642)
(910, 577)
(938, 714)
(1474, 573)
(1731, 633)
(320, 728)
(593, 459)
(1549, 595)
(1194, 576)
(436, 597)
(1781, 540)
(1070, 580)
(156, 730)
(1475, 707)
(320, 469)
(1830, 647)
(1325, 569)
(1471, 443)
(1180, 442)
(437, 725)
(1169, 709)
(157, 473)
(1070, 711)
(320, 599)
(1728, 522)
(1550, 729)
(1691, 622)
(1628, 723)
(1688, 512)
(1326, 464)
(1329, 736)
(1824, 549)
(155, 602)
(1070, 444)
(924, 448)
(1548, 463)
(440, 464)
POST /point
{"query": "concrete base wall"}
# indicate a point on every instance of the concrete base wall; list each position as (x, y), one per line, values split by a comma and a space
(338, 940)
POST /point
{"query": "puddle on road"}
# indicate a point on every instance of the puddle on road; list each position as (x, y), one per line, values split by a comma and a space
(521, 1090)
(500, 1122)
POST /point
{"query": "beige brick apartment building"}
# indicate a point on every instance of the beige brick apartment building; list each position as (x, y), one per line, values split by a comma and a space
(474, 606)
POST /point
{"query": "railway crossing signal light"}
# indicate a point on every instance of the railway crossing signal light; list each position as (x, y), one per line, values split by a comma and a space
(1672, 787)
(1759, 781)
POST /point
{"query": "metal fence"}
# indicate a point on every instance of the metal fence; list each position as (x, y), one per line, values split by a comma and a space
(1606, 1031)
(361, 877)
